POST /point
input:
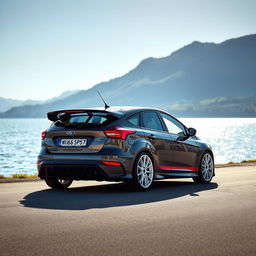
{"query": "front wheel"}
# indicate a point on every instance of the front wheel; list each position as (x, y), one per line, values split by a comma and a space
(58, 183)
(143, 172)
(206, 169)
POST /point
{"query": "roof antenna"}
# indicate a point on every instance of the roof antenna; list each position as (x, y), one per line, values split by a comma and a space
(106, 105)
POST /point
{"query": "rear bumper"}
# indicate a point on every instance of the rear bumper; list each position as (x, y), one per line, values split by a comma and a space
(80, 170)
(84, 166)
(74, 172)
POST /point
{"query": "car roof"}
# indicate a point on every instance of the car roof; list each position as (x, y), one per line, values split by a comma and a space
(123, 110)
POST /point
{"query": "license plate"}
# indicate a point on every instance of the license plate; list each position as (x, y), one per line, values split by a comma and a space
(72, 142)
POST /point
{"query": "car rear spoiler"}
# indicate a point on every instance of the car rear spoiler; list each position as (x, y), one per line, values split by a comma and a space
(54, 116)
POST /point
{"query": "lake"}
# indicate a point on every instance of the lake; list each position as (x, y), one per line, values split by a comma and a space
(232, 139)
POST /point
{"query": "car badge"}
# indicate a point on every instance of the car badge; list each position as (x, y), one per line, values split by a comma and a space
(70, 132)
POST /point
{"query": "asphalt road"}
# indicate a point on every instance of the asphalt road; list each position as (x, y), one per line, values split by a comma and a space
(177, 217)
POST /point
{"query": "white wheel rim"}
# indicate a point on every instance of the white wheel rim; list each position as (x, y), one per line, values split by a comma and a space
(207, 167)
(63, 182)
(145, 171)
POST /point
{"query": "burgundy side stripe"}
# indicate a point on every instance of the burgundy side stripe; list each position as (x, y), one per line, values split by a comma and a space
(195, 169)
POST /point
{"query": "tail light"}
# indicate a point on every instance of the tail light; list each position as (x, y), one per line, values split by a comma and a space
(43, 135)
(118, 132)
(39, 162)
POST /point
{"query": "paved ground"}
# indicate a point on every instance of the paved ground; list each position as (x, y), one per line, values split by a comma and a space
(177, 217)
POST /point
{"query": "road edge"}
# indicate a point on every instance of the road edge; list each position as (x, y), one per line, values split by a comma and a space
(38, 179)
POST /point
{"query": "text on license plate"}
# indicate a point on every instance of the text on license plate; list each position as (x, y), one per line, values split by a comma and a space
(73, 142)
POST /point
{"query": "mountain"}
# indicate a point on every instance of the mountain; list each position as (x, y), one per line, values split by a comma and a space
(62, 96)
(6, 104)
(190, 75)
(244, 106)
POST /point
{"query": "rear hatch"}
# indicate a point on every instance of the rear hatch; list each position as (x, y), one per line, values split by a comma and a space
(77, 131)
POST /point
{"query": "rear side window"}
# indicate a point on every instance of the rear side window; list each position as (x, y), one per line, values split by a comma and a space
(151, 121)
(134, 119)
(84, 120)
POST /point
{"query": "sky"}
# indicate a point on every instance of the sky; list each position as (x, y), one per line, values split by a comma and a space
(51, 46)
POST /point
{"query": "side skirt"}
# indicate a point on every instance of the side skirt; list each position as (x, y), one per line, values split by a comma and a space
(175, 175)
(179, 172)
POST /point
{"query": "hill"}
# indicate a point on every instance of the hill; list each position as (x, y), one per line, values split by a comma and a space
(6, 104)
(183, 80)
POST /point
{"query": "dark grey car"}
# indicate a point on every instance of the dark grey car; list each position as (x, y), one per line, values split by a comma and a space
(131, 144)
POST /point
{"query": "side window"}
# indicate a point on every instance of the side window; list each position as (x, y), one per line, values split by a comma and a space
(151, 121)
(134, 119)
(173, 125)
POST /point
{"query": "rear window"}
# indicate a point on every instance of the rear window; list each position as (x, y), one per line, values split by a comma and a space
(84, 119)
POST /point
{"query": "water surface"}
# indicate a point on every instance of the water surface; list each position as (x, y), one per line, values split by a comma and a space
(232, 139)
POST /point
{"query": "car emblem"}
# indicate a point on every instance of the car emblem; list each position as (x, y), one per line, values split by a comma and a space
(70, 132)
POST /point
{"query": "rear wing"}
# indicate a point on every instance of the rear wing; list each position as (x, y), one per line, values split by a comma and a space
(55, 115)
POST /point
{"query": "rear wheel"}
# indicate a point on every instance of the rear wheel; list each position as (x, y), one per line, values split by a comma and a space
(206, 169)
(58, 183)
(143, 172)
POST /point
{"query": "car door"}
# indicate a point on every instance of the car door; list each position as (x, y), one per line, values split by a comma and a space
(157, 137)
(184, 150)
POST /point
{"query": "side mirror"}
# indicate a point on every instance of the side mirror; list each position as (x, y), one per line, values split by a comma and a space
(191, 132)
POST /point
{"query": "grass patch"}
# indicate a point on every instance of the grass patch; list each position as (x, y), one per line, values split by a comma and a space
(23, 176)
(243, 162)
(3, 177)
(19, 176)
(249, 161)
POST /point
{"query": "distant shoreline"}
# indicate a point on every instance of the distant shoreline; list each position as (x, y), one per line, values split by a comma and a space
(243, 163)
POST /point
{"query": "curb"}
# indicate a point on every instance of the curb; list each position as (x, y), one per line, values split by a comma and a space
(234, 165)
(19, 180)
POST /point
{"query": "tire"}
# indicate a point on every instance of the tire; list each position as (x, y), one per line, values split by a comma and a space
(58, 183)
(206, 169)
(143, 172)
